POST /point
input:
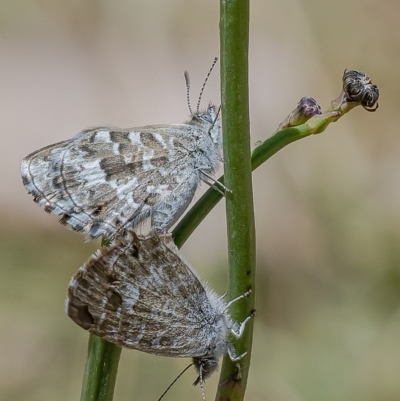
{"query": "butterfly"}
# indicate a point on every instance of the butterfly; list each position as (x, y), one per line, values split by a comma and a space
(138, 293)
(106, 179)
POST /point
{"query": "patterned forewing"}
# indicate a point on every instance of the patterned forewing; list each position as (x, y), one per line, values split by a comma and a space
(140, 294)
(35, 172)
(120, 176)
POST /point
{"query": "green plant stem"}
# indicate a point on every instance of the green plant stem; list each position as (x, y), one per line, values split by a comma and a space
(100, 369)
(234, 40)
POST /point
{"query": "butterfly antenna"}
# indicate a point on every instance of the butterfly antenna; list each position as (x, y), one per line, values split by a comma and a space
(204, 84)
(203, 394)
(187, 80)
(180, 374)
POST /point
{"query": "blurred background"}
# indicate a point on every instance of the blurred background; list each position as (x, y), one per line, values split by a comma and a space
(327, 207)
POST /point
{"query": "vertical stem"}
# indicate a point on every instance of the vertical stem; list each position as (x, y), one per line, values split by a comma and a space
(100, 369)
(234, 34)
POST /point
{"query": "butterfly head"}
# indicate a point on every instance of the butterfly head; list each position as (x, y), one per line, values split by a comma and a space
(205, 366)
(210, 121)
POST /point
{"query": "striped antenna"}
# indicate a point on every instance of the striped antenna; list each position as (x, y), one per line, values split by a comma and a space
(188, 91)
(205, 81)
(203, 394)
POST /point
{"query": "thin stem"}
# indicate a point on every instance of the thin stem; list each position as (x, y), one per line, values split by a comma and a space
(100, 369)
(234, 40)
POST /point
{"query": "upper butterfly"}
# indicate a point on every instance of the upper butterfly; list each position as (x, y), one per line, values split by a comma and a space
(107, 179)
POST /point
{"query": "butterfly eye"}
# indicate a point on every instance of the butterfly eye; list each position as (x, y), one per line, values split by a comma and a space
(207, 117)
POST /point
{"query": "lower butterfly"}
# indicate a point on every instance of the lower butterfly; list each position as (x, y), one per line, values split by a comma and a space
(138, 293)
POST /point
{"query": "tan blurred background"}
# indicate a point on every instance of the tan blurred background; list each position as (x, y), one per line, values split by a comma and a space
(327, 207)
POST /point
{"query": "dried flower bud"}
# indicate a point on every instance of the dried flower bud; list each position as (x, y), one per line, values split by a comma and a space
(359, 88)
(306, 108)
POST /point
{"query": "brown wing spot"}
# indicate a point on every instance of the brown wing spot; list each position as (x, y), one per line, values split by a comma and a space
(176, 143)
(88, 150)
(183, 291)
(169, 270)
(127, 148)
(165, 341)
(152, 199)
(119, 137)
(79, 313)
(140, 308)
(57, 182)
(64, 219)
(148, 140)
(145, 343)
(113, 166)
(132, 168)
(92, 136)
(133, 251)
(125, 325)
(161, 161)
(100, 208)
(186, 291)
(25, 180)
(114, 298)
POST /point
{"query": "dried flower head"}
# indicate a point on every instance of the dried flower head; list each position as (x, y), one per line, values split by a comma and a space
(359, 88)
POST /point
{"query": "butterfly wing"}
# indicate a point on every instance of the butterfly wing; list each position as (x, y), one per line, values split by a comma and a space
(139, 294)
(35, 173)
(105, 179)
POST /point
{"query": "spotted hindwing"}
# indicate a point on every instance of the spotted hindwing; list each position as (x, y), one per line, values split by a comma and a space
(138, 293)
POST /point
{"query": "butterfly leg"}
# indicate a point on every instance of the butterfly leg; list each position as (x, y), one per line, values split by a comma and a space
(223, 295)
(215, 184)
(239, 332)
(232, 353)
(246, 294)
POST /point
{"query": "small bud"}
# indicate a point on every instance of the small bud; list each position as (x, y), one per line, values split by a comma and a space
(359, 88)
(307, 108)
